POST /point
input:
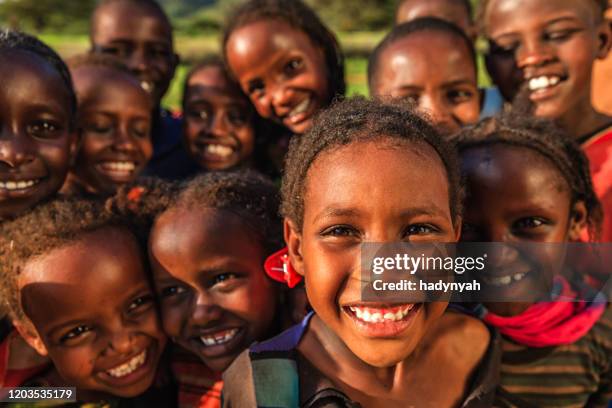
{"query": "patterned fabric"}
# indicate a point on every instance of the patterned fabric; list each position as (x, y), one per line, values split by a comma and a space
(274, 374)
(573, 375)
(198, 385)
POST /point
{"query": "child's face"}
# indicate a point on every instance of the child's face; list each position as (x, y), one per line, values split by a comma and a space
(216, 299)
(337, 220)
(37, 143)
(549, 48)
(115, 122)
(436, 72)
(218, 127)
(93, 313)
(290, 84)
(448, 10)
(142, 39)
(516, 195)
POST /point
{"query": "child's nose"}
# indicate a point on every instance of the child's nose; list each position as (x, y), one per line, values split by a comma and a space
(137, 62)
(436, 108)
(124, 140)
(121, 342)
(218, 125)
(15, 150)
(204, 310)
(533, 53)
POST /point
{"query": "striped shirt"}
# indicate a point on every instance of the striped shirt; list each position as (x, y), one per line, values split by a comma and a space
(574, 375)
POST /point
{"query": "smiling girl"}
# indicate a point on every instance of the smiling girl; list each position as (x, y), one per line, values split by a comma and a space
(528, 183)
(358, 149)
(114, 120)
(37, 115)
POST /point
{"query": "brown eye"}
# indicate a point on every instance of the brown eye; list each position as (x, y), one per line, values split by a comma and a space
(43, 129)
(75, 334)
(293, 66)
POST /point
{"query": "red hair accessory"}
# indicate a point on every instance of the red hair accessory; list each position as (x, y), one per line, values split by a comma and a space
(135, 194)
(278, 267)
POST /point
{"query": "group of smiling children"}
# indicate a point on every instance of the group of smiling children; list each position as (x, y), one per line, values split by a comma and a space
(142, 253)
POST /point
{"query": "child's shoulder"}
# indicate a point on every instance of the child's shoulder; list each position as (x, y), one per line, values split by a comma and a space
(454, 330)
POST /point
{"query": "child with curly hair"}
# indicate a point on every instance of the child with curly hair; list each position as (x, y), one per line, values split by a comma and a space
(75, 284)
(366, 172)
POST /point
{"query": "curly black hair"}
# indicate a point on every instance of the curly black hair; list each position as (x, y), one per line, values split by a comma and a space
(466, 4)
(11, 41)
(602, 6)
(98, 60)
(49, 226)
(353, 120)
(246, 194)
(416, 26)
(515, 128)
(301, 17)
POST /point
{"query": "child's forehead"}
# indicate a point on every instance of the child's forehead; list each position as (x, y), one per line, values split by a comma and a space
(127, 19)
(500, 11)
(108, 255)
(449, 10)
(22, 67)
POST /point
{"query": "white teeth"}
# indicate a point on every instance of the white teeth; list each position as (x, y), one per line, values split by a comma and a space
(147, 86)
(300, 108)
(504, 280)
(542, 82)
(119, 166)
(373, 315)
(219, 150)
(129, 367)
(214, 340)
(17, 185)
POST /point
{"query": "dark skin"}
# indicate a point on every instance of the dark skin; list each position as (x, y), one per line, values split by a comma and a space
(115, 122)
(374, 368)
(215, 296)
(37, 142)
(140, 37)
(560, 41)
(290, 85)
(218, 129)
(515, 195)
(435, 71)
(448, 10)
(91, 310)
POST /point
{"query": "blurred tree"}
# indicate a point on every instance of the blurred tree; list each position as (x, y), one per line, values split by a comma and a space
(356, 15)
(44, 14)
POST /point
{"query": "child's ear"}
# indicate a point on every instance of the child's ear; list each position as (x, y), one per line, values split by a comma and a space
(293, 239)
(27, 331)
(604, 35)
(578, 221)
(458, 224)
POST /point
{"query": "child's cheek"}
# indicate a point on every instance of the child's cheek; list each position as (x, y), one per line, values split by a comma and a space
(173, 318)
(76, 365)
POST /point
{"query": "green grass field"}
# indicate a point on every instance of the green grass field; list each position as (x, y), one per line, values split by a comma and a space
(192, 49)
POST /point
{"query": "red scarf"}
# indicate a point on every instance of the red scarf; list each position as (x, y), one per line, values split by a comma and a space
(545, 324)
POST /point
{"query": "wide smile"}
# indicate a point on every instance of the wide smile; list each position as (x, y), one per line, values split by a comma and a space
(216, 152)
(544, 86)
(220, 342)
(120, 170)
(382, 321)
(300, 112)
(503, 281)
(18, 188)
(132, 370)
